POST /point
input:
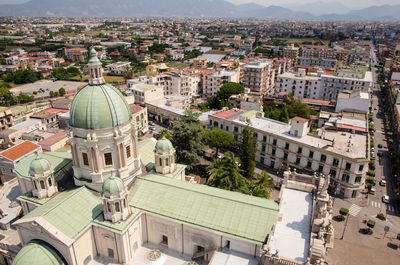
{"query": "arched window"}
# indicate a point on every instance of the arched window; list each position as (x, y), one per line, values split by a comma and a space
(166, 161)
(50, 184)
(108, 207)
(124, 202)
(117, 207)
(34, 184)
(160, 162)
(42, 184)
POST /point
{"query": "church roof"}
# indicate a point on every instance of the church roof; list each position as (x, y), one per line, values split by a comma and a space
(225, 212)
(37, 252)
(61, 162)
(70, 212)
(99, 107)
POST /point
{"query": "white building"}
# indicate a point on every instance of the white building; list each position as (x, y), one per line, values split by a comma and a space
(353, 101)
(118, 67)
(279, 145)
(212, 82)
(319, 85)
(144, 92)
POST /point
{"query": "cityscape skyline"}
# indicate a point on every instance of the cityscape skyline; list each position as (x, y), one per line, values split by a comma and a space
(357, 4)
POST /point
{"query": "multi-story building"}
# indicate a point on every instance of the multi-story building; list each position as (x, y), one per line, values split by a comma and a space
(75, 54)
(319, 85)
(322, 53)
(6, 118)
(144, 92)
(291, 51)
(213, 81)
(259, 76)
(140, 117)
(118, 67)
(321, 62)
(342, 155)
(200, 63)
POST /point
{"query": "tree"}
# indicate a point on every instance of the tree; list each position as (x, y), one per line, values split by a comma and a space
(226, 174)
(343, 212)
(262, 186)
(164, 133)
(247, 152)
(218, 139)
(187, 136)
(229, 89)
(61, 91)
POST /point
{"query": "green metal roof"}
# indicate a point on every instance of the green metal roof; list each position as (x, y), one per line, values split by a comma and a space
(94, 60)
(70, 211)
(113, 185)
(99, 107)
(164, 144)
(60, 161)
(37, 252)
(39, 165)
(226, 212)
(146, 151)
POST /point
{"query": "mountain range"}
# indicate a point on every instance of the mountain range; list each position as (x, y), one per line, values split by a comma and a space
(196, 8)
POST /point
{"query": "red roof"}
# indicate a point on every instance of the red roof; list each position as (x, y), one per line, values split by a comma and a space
(60, 136)
(135, 108)
(54, 111)
(18, 151)
(231, 114)
(300, 119)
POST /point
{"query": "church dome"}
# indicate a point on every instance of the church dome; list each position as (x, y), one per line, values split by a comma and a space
(164, 145)
(37, 252)
(99, 107)
(113, 185)
(39, 165)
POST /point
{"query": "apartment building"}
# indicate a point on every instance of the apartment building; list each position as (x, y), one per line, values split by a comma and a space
(321, 62)
(118, 67)
(6, 118)
(321, 86)
(325, 54)
(180, 84)
(213, 81)
(139, 115)
(291, 51)
(144, 92)
(280, 145)
(75, 54)
(259, 76)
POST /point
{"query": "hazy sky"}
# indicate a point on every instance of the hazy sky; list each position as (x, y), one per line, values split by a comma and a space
(353, 3)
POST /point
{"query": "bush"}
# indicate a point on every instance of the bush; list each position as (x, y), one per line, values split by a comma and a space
(370, 180)
(371, 223)
(371, 172)
(344, 211)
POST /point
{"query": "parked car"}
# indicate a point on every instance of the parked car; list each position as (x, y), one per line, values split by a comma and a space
(382, 183)
(380, 146)
(372, 191)
(380, 153)
(385, 199)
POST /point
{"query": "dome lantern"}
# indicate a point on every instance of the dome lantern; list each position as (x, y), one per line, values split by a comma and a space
(42, 178)
(164, 156)
(115, 200)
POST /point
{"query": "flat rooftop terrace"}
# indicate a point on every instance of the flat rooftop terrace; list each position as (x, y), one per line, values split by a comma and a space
(292, 235)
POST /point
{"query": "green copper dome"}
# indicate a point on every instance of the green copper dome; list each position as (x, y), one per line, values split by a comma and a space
(37, 252)
(39, 165)
(99, 107)
(113, 185)
(164, 144)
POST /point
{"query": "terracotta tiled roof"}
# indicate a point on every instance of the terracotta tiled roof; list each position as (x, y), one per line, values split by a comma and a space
(53, 139)
(300, 119)
(135, 108)
(19, 150)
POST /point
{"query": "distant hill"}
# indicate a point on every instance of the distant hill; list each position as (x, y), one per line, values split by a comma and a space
(190, 8)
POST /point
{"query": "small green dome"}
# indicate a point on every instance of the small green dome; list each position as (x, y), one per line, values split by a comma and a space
(113, 185)
(94, 60)
(164, 144)
(39, 165)
(37, 252)
(99, 107)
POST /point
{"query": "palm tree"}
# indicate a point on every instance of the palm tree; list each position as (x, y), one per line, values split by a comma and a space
(261, 186)
(164, 133)
(226, 174)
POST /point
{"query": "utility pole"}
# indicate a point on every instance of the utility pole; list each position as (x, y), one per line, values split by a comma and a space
(345, 226)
